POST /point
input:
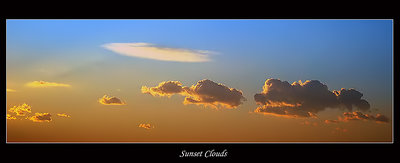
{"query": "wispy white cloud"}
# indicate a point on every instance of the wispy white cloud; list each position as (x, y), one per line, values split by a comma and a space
(151, 51)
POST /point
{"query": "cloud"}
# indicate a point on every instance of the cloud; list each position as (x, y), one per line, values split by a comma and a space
(10, 117)
(63, 115)
(44, 84)
(309, 123)
(304, 99)
(350, 98)
(167, 88)
(350, 116)
(205, 92)
(10, 90)
(41, 117)
(146, 126)
(109, 100)
(21, 110)
(151, 51)
(331, 121)
(288, 112)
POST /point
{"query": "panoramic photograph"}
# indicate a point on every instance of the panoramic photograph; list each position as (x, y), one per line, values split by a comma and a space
(199, 81)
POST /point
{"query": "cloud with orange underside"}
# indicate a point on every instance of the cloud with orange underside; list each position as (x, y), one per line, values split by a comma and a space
(41, 117)
(305, 99)
(205, 93)
(166, 88)
(21, 110)
(331, 121)
(10, 117)
(146, 126)
(63, 115)
(352, 116)
(110, 100)
(44, 84)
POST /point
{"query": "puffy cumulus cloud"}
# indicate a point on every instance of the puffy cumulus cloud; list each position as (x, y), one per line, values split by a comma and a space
(349, 116)
(44, 84)
(301, 99)
(41, 117)
(205, 92)
(146, 126)
(350, 98)
(21, 110)
(107, 100)
(151, 51)
(10, 90)
(167, 88)
(63, 115)
(10, 117)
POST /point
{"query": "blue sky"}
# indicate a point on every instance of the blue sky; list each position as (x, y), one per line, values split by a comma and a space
(342, 53)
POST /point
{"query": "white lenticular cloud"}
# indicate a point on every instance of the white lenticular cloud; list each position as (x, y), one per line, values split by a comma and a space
(151, 51)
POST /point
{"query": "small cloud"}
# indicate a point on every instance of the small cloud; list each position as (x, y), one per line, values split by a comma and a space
(146, 126)
(21, 110)
(309, 123)
(381, 118)
(44, 84)
(205, 92)
(10, 117)
(10, 90)
(288, 112)
(351, 116)
(151, 51)
(331, 121)
(109, 100)
(63, 115)
(167, 88)
(41, 117)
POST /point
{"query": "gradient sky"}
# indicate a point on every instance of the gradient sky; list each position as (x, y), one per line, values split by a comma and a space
(243, 54)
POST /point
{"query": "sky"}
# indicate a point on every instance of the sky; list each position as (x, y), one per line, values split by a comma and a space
(199, 80)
